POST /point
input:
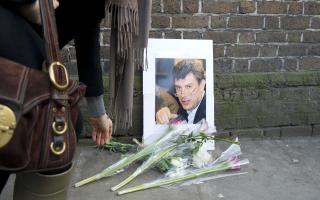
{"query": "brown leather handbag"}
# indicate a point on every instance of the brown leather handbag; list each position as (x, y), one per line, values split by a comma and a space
(38, 110)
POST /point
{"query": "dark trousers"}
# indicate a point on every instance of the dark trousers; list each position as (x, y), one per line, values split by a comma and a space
(22, 43)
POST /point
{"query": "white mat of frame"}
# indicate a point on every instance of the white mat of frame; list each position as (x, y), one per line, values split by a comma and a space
(174, 49)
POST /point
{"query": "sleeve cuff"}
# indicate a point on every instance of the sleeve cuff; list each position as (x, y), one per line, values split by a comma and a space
(96, 106)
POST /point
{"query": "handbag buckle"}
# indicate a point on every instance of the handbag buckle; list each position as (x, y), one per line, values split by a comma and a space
(59, 129)
(53, 77)
(58, 150)
(7, 124)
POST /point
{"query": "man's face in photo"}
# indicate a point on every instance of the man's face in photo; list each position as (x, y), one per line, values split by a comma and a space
(189, 91)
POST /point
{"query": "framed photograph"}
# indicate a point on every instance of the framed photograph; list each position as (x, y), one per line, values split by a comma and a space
(177, 85)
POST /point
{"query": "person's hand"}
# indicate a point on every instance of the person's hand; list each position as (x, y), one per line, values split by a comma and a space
(164, 115)
(32, 11)
(101, 129)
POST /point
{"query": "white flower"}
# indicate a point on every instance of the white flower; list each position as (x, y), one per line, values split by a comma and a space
(178, 167)
(178, 162)
(202, 157)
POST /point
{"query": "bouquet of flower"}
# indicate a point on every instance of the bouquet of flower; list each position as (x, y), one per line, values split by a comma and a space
(183, 170)
(171, 134)
(182, 153)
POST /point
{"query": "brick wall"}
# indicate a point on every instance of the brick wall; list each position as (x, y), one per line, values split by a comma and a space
(266, 60)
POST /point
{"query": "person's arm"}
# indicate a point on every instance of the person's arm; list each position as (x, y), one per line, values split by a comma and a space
(90, 73)
(87, 46)
(28, 9)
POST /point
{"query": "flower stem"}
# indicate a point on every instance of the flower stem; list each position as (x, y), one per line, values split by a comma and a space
(128, 160)
(166, 181)
(153, 159)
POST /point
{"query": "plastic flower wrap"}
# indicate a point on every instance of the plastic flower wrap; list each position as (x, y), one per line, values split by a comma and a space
(182, 153)
(171, 134)
(175, 148)
(187, 149)
(194, 174)
(202, 157)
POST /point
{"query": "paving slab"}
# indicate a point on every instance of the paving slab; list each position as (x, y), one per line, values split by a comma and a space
(285, 168)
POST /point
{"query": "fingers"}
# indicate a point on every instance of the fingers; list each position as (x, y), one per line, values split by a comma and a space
(94, 135)
(164, 115)
(100, 138)
(110, 130)
(99, 141)
(102, 129)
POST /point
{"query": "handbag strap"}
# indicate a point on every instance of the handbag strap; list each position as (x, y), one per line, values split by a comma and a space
(59, 79)
(57, 71)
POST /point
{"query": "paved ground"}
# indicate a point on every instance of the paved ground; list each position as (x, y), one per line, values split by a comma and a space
(279, 169)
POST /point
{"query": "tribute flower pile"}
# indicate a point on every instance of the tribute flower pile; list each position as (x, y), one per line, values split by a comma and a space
(182, 153)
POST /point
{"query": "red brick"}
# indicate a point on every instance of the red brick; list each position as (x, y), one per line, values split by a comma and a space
(272, 22)
(311, 37)
(311, 8)
(218, 22)
(292, 50)
(271, 7)
(190, 6)
(155, 34)
(295, 8)
(314, 50)
(310, 63)
(266, 65)
(290, 65)
(295, 23)
(246, 37)
(160, 22)
(171, 6)
(156, 6)
(209, 6)
(191, 35)
(294, 36)
(247, 7)
(173, 35)
(220, 37)
(242, 51)
(268, 51)
(241, 66)
(190, 21)
(271, 37)
(245, 22)
(222, 65)
(218, 51)
(315, 23)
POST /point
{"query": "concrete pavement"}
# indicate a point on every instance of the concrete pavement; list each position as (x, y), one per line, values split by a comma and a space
(287, 168)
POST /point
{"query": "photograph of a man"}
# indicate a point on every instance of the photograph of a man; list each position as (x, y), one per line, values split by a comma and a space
(189, 89)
